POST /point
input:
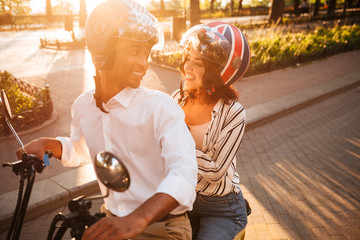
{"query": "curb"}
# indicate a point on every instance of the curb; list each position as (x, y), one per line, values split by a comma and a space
(267, 112)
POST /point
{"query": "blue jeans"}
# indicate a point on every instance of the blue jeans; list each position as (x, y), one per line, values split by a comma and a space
(218, 217)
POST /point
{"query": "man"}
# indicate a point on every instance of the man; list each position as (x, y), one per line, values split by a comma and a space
(143, 128)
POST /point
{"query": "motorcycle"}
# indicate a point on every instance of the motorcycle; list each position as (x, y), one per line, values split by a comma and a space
(108, 168)
(114, 175)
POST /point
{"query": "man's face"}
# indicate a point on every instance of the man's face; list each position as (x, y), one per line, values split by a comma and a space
(130, 63)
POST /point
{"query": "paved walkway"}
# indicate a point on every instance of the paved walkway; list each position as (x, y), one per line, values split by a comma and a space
(266, 97)
(300, 174)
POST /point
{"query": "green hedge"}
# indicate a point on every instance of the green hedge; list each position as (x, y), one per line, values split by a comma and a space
(30, 105)
(276, 49)
(19, 100)
(271, 52)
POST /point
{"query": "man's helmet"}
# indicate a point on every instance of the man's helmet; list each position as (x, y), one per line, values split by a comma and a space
(117, 19)
(223, 44)
(114, 19)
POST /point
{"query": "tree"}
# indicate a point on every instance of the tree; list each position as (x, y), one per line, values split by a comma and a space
(276, 11)
(232, 6)
(174, 4)
(240, 5)
(212, 6)
(331, 8)
(296, 7)
(48, 10)
(315, 12)
(62, 7)
(14, 7)
(162, 8)
(154, 5)
(194, 12)
(82, 13)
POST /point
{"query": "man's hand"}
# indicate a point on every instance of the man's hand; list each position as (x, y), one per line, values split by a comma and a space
(39, 146)
(115, 228)
(135, 223)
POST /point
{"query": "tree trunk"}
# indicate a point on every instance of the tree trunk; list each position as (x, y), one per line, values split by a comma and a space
(82, 13)
(331, 8)
(296, 7)
(212, 6)
(316, 8)
(276, 11)
(194, 12)
(232, 7)
(346, 3)
(240, 5)
(48, 10)
(162, 8)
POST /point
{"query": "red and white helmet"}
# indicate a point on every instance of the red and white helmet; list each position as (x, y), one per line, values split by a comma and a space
(222, 43)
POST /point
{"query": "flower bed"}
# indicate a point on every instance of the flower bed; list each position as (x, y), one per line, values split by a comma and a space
(30, 105)
(62, 45)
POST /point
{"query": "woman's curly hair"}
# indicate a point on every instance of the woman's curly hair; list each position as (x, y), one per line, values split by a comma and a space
(213, 87)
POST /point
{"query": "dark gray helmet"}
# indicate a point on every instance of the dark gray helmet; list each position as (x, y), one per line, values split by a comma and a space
(117, 19)
(114, 19)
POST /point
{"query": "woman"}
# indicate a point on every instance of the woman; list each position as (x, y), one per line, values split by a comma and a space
(215, 55)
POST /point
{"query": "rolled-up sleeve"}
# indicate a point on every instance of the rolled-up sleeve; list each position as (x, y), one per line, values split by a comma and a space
(75, 152)
(178, 152)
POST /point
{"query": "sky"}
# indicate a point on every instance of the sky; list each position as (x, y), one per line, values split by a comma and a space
(38, 6)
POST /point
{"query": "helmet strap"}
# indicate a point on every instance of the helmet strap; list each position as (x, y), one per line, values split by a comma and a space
(97, 94)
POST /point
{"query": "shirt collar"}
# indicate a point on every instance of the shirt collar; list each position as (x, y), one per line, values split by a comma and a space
(123, 97)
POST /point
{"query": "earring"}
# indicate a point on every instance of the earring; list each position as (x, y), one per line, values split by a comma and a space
(210, 92)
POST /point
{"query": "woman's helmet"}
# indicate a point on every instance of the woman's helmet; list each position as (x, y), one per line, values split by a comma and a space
(223, 44)
(115, 19)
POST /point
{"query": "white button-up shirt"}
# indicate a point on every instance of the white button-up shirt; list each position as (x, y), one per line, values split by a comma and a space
(145, 129)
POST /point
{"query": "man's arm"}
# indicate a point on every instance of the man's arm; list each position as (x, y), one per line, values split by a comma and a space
(39, 146)
(136, 222)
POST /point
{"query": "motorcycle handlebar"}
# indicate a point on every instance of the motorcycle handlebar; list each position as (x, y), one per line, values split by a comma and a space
(28, 161)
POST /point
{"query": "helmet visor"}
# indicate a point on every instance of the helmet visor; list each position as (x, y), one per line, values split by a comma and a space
(210, 44)
(144, 27)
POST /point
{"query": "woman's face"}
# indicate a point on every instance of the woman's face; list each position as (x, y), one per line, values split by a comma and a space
(194, 70)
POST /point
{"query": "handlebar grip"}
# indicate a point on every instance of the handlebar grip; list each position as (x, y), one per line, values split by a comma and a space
(49, 153)
(6, 164)
(46, 157)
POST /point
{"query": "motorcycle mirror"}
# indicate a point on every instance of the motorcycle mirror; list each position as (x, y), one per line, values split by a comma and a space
(5, 108)
(6, 111)
(111, 171)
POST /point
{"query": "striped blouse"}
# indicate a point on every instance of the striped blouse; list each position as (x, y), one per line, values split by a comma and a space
(217, 162)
